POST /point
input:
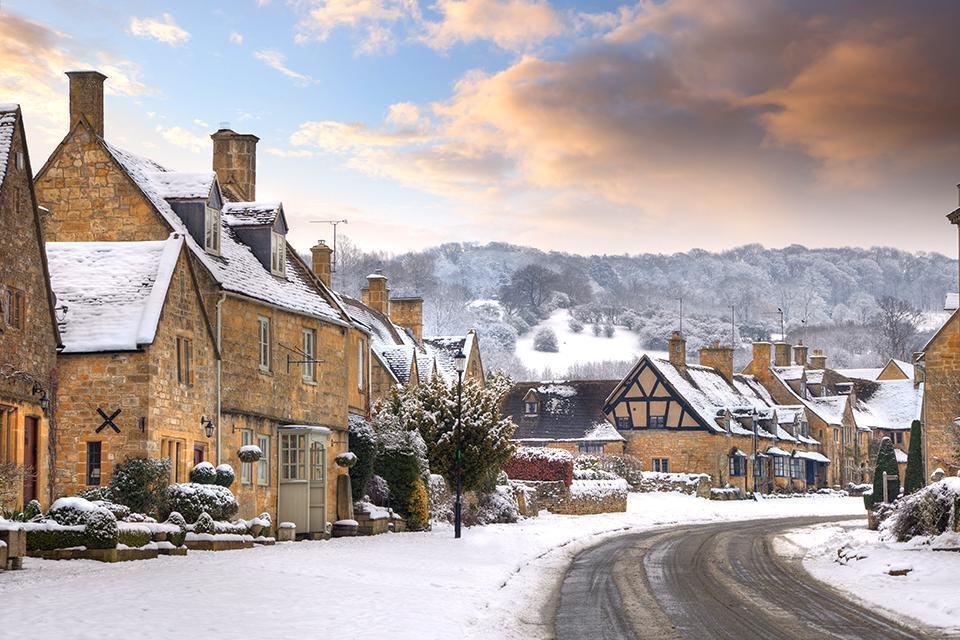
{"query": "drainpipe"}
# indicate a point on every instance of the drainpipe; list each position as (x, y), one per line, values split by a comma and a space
(220, 300)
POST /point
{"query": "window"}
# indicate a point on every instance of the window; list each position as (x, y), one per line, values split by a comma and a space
(360, 371)
(211, 230)
(898, 437)
(623, 422)
(278, 254)
(796, 468)
(199, 454)
(531, 408)
(94, 452)
(263, 466)
(184, 361)
(309, 354)
(661, 465)
(172, 450)
(246, 468)
(779, 466)
(21, 160)
(759, 468)
(265, 346)
(738, 466)
(657, 422)
(13, 308)
(591, 448)
(292, 456)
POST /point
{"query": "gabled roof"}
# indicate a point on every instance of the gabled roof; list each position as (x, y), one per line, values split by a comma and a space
(444, 348)
(860, 374)
(392, 345)
(8, 126)
(898, 366)
(892, 404)
(114, 291)
(181, 185)
(828, 408)
(567, 410)
(401, 360)
(253, 214)
(237, 269)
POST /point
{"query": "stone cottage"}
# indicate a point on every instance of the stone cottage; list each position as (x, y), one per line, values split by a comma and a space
(28, 330)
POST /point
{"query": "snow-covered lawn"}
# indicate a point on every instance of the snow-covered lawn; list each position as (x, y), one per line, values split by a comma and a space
(575, 348)
(493, 583)
(929, 592)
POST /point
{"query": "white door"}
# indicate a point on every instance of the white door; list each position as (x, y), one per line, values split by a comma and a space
(318, 484)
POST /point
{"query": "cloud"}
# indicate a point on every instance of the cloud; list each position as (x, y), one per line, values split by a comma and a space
(163, 29)
(201, 123)
(404, 114)
(341, 136)
(510, 24)
(185, 139)
(375, 18)
(276, 60)
(236, 38)
(289, 153)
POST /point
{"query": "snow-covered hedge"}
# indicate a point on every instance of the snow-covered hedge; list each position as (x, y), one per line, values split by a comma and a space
(203, 473)
(697, 484)
(545, 464)
(620, 464)
(931, 511)
(441, 502)
(500, 506)
(191, 499)
(594, 496)
(249, 453)
(225, 475)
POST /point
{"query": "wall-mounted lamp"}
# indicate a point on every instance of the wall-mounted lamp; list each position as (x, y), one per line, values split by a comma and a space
(208, 426)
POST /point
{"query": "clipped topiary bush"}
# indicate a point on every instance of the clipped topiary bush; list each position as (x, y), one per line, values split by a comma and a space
(140, 483)
(543, 464)
(99, 493)
(53, 536)
(226, 476)
(119, 511)
(203, 473)
(249, 453)
(133, 535)
(913, 478)
(175, 519)
(101, 531)
(70, 511)
(204, 524)
(418, 507)
(886, 462)
(191, 499)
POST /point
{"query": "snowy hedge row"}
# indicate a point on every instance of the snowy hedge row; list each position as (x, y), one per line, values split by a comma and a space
(543, 464)
(930, 512)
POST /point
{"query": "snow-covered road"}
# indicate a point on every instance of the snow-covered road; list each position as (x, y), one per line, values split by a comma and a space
(493, 583)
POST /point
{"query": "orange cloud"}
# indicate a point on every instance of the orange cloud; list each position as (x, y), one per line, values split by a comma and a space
(510, 24)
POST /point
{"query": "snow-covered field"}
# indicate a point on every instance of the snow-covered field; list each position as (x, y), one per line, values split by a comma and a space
(929, 592)
(493, 583)
(577, 347)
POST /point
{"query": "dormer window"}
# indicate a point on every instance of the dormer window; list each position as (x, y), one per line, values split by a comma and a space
(278, 254)
(211, 230)
(531, 408)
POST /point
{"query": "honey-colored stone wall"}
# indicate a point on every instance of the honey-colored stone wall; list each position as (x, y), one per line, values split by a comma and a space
(941, 399)
(31, 347)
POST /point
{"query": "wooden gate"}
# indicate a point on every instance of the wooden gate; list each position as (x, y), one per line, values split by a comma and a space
(31, 434)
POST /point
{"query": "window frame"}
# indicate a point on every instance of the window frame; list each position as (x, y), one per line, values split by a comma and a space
(293, 457)
(172, 450)
(278, 254)
(590, 448)
(308, 369)
(621, 423)
(94, 446)
(797, 468)
(360, 371)
(263, 464)
(779, 467)
(736, 466)
(661, 465)
(246, 468)
(13, 307)
(265, 344)
(657, 422)
(211, 230)
(527, 405)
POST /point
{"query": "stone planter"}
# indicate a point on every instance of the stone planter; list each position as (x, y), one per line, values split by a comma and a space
(286, 532)
(344, 528)
(218, 545)
(15, 541)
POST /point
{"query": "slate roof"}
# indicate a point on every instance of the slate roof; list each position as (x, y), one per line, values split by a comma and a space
(252, 214)
(114, 292)
(891, 404)
(568, 410)
(180, 185)
(8, 125)
(236, 269)
(444, 348)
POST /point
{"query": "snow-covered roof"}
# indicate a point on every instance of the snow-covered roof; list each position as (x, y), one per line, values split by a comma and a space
(814, 376)
(860, 374)
(114, 291)
(793, 372)
(567, 411)
(236, 269)
(251, 214)
(400, 359)
(777, 451)
(182, 185)
(816, 456)
(391, 344)
(901, 456)
(444, 348)
(8, 124)
(828, 408)
(951, 302)
(893, 404)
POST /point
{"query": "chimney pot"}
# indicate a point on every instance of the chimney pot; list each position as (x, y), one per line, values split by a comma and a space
(86, 98)
(719, 358)
(376, 295)
(818, 360)
(408, 313)
(322, 254)
(800, 355)
(781, 354)
(677, 350)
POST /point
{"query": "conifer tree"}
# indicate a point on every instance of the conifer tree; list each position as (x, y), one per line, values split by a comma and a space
(886, 462)
(913, 479)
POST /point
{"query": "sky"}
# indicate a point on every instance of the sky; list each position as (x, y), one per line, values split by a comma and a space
(593, 127)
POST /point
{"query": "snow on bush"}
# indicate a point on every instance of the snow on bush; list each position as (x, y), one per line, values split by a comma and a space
(499, 506)
(119, 511)
(192, 499)
(546, 340)
(544, 464)
(140, 483)
(204, 524)
(377, 491)
(575, 325)
(441, 501)
(203, 473)
(70, 511)
(593, 474)
(599, 489)
(620, 464)
(225, 475)
(346, 459)
(930, 511)
(101, 530)
(249, 453)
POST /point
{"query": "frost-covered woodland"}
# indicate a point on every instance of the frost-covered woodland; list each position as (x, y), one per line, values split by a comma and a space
(861, 306)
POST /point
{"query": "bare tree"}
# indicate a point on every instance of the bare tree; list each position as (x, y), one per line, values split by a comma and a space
(529, 287)
(896, 322)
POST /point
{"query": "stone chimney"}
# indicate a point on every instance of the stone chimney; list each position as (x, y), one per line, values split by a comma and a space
(761, 358)
(235, 163)
(781, 354)
(322, 255)
(86, 98)
(917, 367)
(800, 355)
(718, 357)
(818, 360)
(376, 295)
(677, 348)
(408, 313)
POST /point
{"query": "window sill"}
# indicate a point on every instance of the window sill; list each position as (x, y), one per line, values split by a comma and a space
(311, 383)
(265, 372)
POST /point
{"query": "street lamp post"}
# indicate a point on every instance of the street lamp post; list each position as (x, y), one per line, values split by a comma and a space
(460, 364)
